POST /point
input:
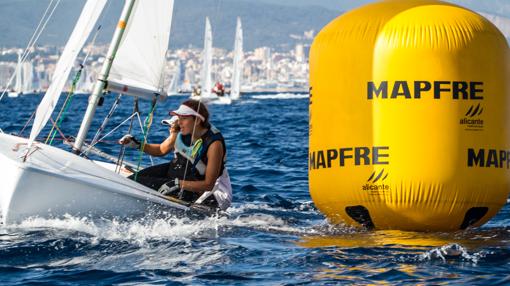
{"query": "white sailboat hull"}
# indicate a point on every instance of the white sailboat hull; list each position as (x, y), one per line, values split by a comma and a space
(54, 183)
(225, 99)
(13, 94)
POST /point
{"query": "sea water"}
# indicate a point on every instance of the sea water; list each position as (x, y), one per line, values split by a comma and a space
(272, 234)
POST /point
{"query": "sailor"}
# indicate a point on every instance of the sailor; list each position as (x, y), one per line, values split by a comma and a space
(197, 91)
(197, 173)
(219, 89)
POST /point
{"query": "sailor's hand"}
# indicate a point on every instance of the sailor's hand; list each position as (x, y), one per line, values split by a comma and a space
(129, 141)
(170, 188)
(175, 127)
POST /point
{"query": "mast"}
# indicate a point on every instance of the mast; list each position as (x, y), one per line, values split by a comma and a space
(103, 76)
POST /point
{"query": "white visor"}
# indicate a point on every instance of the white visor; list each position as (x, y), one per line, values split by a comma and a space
(184, 110)
(169, 121)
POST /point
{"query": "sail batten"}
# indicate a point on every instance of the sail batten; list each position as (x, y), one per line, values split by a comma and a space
(88, 18)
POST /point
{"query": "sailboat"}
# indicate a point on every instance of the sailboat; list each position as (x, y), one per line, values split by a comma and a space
(237, 70)
(40, 180)
(17, 90)
(205, 75)
(173, 88)
(237, 67)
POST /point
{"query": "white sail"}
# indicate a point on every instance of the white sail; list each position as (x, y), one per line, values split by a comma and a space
(84, 26)
(238, 62)
(18, 85)
(140, 61)
(172, 88)
(85, 83)
(206, 81)
(52, 183)
(28, 77)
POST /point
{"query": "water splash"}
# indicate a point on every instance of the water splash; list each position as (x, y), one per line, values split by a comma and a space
(450, 252)
(282, 96)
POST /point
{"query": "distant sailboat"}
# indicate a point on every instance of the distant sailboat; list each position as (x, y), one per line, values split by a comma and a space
(18, 81)
(237, 67)
(173, 88)
(205, 75)
(28, 78)
(237, 71)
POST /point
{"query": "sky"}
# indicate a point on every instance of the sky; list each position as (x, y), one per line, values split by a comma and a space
(498, 7)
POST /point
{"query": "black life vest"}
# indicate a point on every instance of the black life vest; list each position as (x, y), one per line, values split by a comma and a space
(194, 157)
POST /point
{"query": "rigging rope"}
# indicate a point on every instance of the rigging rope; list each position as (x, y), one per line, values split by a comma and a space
(147, 126)
(70, 95)
(120, 159)
(181, 191)
(33, 40)
(63, 110)
(26, 123)
(106, 120)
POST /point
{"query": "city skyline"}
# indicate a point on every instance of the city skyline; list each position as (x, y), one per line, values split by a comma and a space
(271, 23)
(264, 63)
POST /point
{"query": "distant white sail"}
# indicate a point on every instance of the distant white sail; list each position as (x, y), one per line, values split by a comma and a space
(18, 85)
(81, 32)
(28, 77)
(237, 72)
(140, 61)
(173, 87)
(206, 81)
(85, 83)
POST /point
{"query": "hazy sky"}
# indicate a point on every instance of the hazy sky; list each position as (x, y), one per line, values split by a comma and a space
(500, 7)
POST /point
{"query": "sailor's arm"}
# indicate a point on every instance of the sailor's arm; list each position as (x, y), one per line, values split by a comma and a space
(212, 171)
(161, 149)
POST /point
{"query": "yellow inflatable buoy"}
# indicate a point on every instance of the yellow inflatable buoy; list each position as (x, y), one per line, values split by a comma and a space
(409, 117)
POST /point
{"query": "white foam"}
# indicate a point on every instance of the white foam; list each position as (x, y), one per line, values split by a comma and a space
(171, 228)
(282, 96)
(451, 251)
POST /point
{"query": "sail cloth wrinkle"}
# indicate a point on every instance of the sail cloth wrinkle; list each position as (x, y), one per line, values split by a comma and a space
(140, 59)
(88, 18)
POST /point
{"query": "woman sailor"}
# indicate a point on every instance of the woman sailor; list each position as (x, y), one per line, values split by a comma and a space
(197, 173)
